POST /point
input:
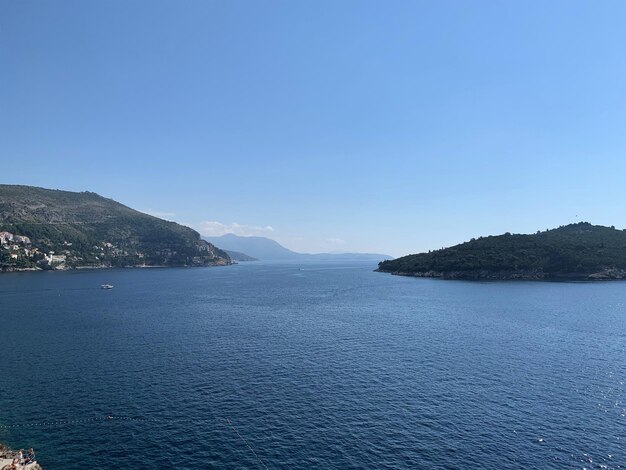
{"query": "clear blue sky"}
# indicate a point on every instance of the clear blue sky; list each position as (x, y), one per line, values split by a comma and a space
(393, 127)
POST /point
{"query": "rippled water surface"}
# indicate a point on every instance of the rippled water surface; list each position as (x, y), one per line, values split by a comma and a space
(311, 366)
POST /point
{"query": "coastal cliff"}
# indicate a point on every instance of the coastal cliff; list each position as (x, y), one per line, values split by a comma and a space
(52, 229)
(573, 252)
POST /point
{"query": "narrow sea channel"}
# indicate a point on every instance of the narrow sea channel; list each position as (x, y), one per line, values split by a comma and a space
(328, 366)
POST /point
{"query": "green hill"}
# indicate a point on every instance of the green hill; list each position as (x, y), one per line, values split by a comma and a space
(239, 256)
(578, 251)
(44, 228)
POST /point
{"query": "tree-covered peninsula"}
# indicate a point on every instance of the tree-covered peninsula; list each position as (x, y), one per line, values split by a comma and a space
(578, 252)
(53, 229)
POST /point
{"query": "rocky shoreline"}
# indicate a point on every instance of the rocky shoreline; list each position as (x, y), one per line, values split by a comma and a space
(608, 274)
(10, 460)
(15, 269)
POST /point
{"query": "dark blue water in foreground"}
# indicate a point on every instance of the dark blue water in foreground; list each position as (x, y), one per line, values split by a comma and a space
(315, 366)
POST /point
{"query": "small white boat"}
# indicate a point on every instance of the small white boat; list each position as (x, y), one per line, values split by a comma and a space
(106, 286)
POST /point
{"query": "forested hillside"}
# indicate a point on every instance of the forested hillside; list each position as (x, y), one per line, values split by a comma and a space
(43, 228)
(577, 251)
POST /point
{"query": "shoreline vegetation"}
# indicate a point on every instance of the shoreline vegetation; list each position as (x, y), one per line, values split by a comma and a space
(89, 268)
(45, 229)
(575, 252)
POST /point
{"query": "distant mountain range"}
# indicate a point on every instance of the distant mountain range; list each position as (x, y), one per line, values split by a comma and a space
(266, 249)
(578, 251)
(52, 229)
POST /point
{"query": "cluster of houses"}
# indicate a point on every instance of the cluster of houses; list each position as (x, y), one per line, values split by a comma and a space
(7, 237)
(17, 251)
(20, 247)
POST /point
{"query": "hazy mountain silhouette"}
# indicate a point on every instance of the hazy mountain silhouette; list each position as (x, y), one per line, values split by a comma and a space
(266, 249)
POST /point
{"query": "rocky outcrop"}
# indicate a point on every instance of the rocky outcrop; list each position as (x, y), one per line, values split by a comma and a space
(607, 274)
(8, 456)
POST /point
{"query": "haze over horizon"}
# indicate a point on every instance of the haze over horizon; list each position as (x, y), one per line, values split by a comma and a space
(326, 126)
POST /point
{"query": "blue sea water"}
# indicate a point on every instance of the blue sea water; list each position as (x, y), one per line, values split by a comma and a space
(327, 366)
